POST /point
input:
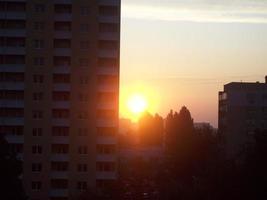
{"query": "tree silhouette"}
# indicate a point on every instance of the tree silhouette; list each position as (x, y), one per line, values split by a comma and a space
(10, 170)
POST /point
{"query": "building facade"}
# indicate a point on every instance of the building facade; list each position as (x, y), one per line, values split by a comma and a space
(242, 111)
(59, 87)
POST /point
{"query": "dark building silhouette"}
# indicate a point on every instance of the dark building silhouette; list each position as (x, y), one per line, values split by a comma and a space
(242, 111)
(59, 86)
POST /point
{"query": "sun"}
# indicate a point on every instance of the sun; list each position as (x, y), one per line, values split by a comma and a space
(137, 104)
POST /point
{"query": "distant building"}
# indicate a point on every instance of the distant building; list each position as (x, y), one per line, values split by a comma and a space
(242, 110)
(59, 87)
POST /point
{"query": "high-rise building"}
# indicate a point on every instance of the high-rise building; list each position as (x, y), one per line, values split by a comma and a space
(242, 111)
(59, 86)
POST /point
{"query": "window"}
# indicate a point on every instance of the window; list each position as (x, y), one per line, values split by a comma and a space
(12, 94)
(60, 131)
(62, 61)
(84, 79)
(106, 148)
(84, 62)
(83, 115)
(85, 10)
(59, 183)
(108, 28)
(36, 167)
(60, 148)
(37, 78)
(37, 131)
(107, 62)
(62, 26)
(36, 185)
(61, 96)
(11, 77)
(39, 26)
(36, 149)
(38, 44)
(59, 166)
(84, 45)
(82, 167)
(37, 114)
(82, 185)
(12, 59)
(105, 166)
(107, 131)
(60, 113)
(11, 130)
(82, 131)
(84, 28)
(39, 8)
(83, 97)
(16, 148)
(62, 43)
(107, 79)
(82, 149)
(106, 113)
(39, 61)
(38, 96)
(108, 10)
(11, 112)
(12, 41)
(108, 44)
(106, 96)
(63, 8)
(61, 78)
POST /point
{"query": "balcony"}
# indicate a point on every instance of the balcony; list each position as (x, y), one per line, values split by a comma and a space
(107, 105)
(62, 87)
(63, 69)
(106, 157)
(15, 139)
(107, 70)
(109, 19)
(106, 175)
(13, 15)
(109, 36)
(63, 17)
(13, 50)
(108, 53)
(12, 121)
(12, 67)
(11, 103)
(63, 34)
(62, 51)
(107, 88)
(60, 122)
(60, 139)
(13, 33)
(59, 193)
(59, 175)
(59, 157)
(106, 140)
(109, 2)
(61, 104)
(12, 86)
(62, 1)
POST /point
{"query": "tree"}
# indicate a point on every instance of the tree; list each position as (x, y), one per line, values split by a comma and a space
(151, 130)
(10, 170)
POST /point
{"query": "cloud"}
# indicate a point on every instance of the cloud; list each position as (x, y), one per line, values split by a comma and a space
(224, 11)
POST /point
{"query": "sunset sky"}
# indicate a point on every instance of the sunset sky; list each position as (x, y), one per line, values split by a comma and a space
(179, 53)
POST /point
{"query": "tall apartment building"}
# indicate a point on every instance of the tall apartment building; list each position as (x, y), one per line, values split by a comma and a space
(242, 111)
(59, 86)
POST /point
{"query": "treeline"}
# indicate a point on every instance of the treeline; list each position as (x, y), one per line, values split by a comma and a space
(195, 165)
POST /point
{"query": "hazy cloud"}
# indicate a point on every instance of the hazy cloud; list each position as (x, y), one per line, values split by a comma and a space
(242, 11)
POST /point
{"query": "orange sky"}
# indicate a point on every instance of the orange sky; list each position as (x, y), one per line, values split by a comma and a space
(178, 60)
